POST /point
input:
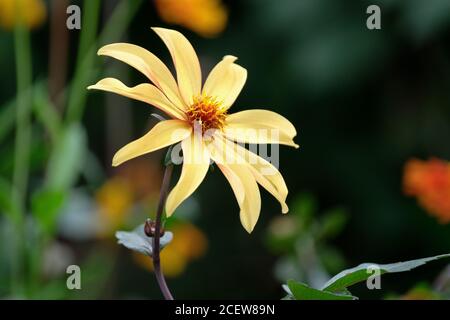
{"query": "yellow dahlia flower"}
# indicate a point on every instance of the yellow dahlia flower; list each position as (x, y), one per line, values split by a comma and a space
(201, 122)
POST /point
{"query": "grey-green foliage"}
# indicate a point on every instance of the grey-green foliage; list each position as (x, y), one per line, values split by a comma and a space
(337, 287)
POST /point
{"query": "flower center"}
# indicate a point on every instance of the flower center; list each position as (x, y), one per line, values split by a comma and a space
(207, 112)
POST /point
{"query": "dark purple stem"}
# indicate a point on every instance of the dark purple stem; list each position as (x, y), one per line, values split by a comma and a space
(156, 248)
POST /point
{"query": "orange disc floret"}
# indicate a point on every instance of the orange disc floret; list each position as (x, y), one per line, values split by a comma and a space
(429, 181)
(208, 112)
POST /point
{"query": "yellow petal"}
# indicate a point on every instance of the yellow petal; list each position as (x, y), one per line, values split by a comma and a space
(144, 92)
(218, 154)
(147, 63)
(186, 63)
(246, 192)
(263, 117)
(251, 206)
(242, 182)
(266, 175)
(163, 134)
(234, 180)
(195, 166)
(225, 81)
(260, 126)
(258, 134)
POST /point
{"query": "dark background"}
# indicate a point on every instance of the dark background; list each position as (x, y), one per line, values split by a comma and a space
(363, 102)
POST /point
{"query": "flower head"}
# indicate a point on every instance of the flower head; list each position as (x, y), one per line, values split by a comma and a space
(205, 17)
(207, 112)
(201, 122)
(429, 181)
(32, 13)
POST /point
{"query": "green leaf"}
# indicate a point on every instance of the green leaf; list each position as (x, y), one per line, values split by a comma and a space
(66, 159)
(63, 168)
(301, 291)
(7, 117)
(46, 205)
(360, 273)
(9, 204)
(46, 112)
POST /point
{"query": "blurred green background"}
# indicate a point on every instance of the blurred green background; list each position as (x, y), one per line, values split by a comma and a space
(364, 102)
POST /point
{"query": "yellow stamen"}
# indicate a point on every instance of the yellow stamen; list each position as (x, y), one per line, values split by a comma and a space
(208, 112)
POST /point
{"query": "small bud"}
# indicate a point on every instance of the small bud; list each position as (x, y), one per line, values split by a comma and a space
(149, 228)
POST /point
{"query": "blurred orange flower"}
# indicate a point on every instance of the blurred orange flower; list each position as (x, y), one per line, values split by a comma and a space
(188, 243)
(205, 17)
(115, 199)
(429, 181)
(144, 177)
(138, 182)
(32, 12)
